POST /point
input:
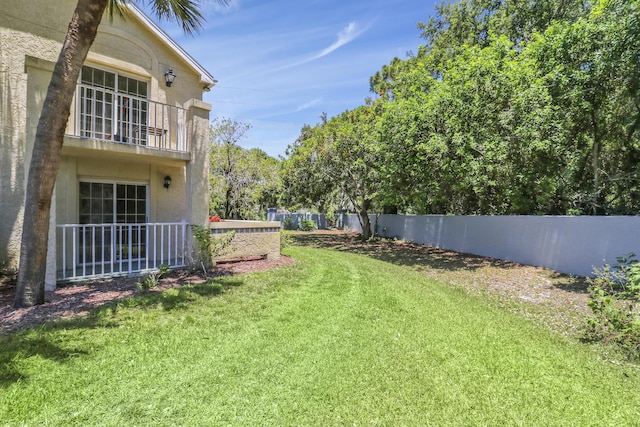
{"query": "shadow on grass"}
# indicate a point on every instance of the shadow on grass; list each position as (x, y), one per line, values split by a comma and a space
(19, 348)
(171, 299)
(397, 252)
(569, 283)
(43, 342)
(416, 255)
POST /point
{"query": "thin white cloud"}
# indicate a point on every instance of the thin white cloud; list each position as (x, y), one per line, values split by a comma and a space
(348, 34)
(309, 104)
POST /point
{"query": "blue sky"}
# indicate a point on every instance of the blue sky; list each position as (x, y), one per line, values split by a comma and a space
(281, 64)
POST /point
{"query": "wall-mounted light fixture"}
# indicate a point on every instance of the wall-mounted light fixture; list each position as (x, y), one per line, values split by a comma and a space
(207, 87)
(167, 182)
(169, 77)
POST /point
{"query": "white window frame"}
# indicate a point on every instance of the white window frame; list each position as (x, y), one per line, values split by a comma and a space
(108, 106)
(112, 245)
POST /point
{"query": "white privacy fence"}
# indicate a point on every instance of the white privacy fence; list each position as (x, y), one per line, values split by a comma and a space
(319, 219)
(86, 251)
(569, 244)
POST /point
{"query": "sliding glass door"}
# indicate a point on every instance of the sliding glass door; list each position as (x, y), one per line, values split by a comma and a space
(112, 212)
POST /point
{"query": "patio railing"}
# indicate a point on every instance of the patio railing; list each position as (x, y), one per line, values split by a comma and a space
(87, 251)
(107, 115)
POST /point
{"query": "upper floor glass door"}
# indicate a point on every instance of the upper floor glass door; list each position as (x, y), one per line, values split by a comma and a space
(113, 106)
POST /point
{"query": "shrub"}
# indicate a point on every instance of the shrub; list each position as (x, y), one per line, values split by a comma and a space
(210, 248)
(288, 223)
(151, 280)
(285, 239)
(307, 224)
(615, 302)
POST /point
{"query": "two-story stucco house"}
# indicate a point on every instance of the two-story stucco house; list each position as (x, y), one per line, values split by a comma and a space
(134, 169)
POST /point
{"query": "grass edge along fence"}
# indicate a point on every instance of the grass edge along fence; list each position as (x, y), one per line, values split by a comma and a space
(568, 244)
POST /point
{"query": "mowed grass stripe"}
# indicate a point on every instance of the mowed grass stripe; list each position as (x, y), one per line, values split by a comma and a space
(336, 339)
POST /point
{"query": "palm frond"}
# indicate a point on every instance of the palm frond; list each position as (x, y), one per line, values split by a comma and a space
(116, 7)
(185, 12)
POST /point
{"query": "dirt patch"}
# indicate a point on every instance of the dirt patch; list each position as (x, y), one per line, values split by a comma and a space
(79, 299)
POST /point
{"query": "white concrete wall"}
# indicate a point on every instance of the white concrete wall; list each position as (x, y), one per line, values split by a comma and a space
(573, 245)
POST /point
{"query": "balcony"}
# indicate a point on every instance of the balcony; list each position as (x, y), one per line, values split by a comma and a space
(105, 115)
(90, 251)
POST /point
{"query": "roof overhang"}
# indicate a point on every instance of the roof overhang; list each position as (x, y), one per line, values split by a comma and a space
(206, 78)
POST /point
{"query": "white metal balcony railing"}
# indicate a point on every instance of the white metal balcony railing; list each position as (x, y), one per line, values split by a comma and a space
(126, 119)
(86, 251)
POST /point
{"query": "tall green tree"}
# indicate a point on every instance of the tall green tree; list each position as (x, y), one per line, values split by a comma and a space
(495, 118)
(45, 159)
(473, 22)
(339, 156)
(243, 182)
(225, 157)
(305, 180)
(460, 24)
(591, 69)
(512, 107)
(354, 159)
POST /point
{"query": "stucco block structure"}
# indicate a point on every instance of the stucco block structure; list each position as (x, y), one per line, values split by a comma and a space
(134, 167)
(251, 238)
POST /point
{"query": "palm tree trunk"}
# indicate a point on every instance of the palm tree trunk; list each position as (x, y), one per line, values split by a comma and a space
(45, 160)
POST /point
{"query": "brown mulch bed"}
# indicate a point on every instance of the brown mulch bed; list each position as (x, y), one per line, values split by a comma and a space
(79, 299)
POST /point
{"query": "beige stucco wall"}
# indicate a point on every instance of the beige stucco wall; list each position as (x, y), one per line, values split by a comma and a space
(251, 238)
(31, 33)
(253, 244)
(198, 172)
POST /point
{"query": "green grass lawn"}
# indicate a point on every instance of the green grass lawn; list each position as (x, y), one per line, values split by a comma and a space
(336, 339)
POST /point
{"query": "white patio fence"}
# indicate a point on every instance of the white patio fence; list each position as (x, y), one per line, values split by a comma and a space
(569, 244)
(88, 251)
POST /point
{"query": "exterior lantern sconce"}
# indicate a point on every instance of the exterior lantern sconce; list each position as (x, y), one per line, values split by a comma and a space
(169, 77)
(167, 182)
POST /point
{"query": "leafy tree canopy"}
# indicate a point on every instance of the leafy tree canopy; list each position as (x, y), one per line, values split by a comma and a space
(511, 107)
(243, 182)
